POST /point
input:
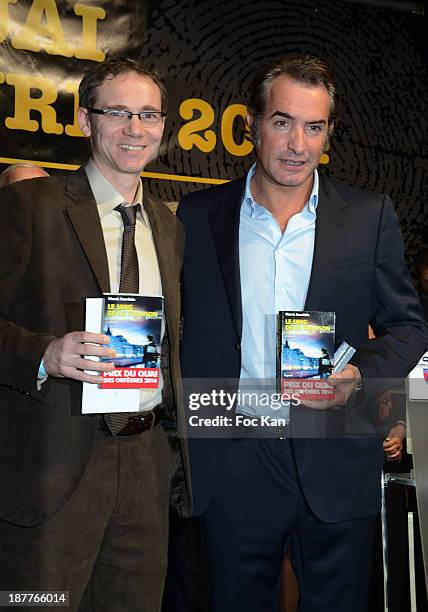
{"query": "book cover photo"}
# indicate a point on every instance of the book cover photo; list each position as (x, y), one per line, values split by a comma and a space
(306, 353)
(134, 325)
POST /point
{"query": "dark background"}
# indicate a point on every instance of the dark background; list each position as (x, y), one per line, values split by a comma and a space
(210, 50)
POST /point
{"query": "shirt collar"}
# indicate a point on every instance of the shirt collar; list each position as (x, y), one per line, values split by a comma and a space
(106, 196)
(253, 208)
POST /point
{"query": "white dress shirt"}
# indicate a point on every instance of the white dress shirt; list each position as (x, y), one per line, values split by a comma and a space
(107, 198)
(275, 269)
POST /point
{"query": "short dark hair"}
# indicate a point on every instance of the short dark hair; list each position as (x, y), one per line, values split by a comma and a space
(111, 68)
(300, 67)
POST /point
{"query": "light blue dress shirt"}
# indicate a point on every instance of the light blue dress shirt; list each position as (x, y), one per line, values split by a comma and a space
(275, 270)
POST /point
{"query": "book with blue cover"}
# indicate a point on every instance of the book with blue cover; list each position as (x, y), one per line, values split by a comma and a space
(305, 357)
(134, 325)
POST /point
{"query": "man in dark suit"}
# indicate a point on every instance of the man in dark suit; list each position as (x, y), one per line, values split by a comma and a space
(84, 498)
(286, 238)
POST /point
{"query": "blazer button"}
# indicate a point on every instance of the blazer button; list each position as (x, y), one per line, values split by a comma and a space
(237, 346)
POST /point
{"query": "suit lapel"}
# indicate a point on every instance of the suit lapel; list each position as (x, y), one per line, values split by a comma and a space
(224, 220)
(85, 219)
(167, 254)
(332, 214)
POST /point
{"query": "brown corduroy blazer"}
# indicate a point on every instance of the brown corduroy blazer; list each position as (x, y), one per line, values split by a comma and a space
(53, 256)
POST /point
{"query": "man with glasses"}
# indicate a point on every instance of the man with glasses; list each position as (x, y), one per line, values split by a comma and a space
(84, 504)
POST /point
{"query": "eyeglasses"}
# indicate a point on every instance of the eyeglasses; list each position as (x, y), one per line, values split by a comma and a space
(119, 116)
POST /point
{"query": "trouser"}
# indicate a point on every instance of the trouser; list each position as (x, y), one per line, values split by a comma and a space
(186, 587)
(258, 510)
(107, 546)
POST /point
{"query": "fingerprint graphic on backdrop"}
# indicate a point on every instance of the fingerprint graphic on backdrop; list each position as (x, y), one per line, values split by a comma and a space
(210, 51)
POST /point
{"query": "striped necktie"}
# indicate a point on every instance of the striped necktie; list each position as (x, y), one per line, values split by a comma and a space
(129, 274)
(129, 283)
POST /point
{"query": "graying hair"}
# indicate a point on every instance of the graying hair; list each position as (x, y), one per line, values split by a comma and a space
(302, 68)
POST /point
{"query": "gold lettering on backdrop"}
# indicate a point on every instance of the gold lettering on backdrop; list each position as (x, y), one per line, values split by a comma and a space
(4, 18)
(43, 30)
(227, 121)
(26, 100)
(73, 129)
(188, 136)
(90, 15)
(24, 103)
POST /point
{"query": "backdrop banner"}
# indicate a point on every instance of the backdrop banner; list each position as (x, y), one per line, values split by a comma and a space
(207, 53)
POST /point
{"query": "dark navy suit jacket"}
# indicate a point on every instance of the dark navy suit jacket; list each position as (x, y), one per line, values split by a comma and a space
(359, 272)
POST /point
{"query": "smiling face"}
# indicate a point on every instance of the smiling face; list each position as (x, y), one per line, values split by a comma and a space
(123, 149)
(292, 133)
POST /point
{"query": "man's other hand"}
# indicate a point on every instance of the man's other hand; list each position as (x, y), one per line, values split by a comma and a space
(344, 383)
(66, 357)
